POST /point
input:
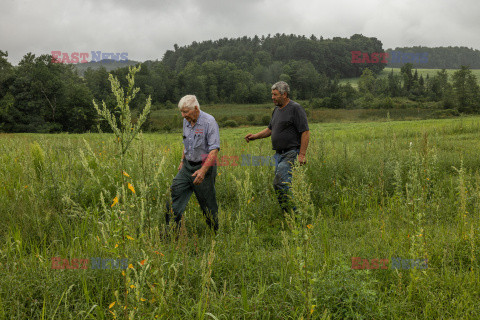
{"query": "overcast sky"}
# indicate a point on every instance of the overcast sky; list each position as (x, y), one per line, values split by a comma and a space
(145, 29)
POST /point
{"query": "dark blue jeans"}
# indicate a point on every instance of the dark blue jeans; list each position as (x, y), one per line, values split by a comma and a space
(283, 178)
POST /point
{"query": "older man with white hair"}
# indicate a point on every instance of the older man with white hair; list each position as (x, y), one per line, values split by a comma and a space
(200, 137)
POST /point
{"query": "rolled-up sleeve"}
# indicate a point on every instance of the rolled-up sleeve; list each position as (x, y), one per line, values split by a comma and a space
(213, 136)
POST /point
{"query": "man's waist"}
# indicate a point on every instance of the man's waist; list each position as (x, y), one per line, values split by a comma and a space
(282, 151)
(193, 163)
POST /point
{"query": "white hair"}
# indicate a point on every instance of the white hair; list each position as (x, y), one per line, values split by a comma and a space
(189, 102)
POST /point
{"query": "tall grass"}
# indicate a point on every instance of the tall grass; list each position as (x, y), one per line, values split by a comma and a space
(373, 190)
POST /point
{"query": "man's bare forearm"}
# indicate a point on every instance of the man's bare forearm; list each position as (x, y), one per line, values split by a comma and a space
(210, 160)
(260, 135)
(304, 142)
(265, 133)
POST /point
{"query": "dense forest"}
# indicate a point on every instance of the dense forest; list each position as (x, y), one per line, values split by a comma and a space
(41, 96)
(439, 58)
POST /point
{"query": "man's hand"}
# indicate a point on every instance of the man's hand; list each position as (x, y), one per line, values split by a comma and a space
(199, 175)
(260, 135)
(301, 159)
(180, 165)
(249, 137)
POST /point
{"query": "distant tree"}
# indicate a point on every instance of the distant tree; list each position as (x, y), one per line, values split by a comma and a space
(366, 83)
(466, 89)
(407, 75)
(348, 94)
(394, 85)
(6, 73)
(7, 100)
(46, 97)
(259, 93)
(304, 78)
(438, 88)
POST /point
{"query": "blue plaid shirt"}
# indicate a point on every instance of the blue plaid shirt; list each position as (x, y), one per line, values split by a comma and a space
(202, 138)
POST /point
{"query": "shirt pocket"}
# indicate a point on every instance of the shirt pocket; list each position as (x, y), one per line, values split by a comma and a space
(199, 140)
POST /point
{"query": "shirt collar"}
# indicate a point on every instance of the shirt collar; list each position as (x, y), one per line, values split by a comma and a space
(198, 119)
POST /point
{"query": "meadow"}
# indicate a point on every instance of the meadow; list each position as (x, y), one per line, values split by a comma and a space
(370, 190)
(166, 120)
(424, 72)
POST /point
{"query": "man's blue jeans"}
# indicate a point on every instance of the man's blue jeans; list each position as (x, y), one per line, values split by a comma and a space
(283, 178)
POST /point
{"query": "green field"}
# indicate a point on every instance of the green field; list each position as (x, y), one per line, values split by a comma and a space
(168, 119)
(373, 190)
(431, 72)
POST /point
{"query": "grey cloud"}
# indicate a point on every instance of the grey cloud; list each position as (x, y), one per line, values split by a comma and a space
(147, 28)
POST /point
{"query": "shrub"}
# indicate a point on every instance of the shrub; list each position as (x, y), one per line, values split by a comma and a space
(230, 123)
(265, 120)
(308, 113)
(315, 103)
(446, 113)
(385, 103)
(169, 105)
(167, 128)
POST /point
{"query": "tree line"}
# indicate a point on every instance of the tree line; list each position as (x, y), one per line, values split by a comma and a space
(41, 96)
(459, 92)
(440, 57)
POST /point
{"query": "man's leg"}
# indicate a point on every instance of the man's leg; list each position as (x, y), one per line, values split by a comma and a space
(283, 179)
(181, 190)
(206, 196)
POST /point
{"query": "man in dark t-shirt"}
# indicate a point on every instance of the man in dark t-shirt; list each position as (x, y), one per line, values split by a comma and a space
(290, 134)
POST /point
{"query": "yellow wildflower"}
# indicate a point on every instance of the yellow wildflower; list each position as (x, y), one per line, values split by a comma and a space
(129, 238)
(126, 174)
(115, 201)
(111, 305)
(131, 187)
